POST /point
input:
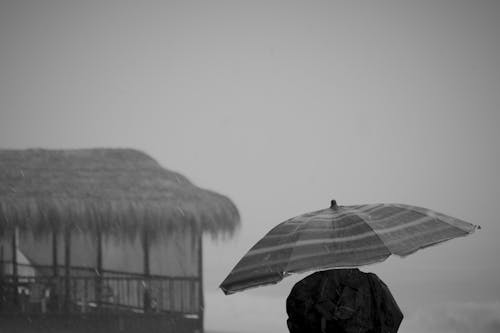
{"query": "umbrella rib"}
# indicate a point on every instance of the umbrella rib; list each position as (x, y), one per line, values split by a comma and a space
(457, 223)
(297, 231)
(369, 226)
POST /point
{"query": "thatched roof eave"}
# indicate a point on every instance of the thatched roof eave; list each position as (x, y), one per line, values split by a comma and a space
(114, 191)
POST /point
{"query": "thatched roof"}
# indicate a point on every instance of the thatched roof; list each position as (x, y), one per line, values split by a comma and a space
(113, 191)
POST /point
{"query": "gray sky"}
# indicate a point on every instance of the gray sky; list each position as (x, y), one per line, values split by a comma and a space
(284, 105)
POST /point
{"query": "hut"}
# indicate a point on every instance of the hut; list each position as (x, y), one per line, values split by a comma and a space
(103, 240)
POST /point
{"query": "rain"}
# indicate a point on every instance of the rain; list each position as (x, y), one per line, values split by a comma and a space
(146, 147)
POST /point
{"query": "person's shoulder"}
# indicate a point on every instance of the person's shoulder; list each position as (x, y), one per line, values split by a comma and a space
(374, 277)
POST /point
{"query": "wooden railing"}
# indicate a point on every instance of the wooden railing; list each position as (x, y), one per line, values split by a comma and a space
(84, 292)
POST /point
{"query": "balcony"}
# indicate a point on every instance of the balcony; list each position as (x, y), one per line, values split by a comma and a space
(110, 302)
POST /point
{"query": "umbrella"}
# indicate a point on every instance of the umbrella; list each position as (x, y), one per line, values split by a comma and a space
(341, 236)
(342, 300)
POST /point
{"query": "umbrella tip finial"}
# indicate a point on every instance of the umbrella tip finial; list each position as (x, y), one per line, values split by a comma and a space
(333, 204)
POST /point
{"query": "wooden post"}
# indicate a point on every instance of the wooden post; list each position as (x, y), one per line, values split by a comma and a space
(98, 282)
(55, 265)
(200, 277)
(145, 247)
(147, 271)
(67, 269)
(14, 255)
(14, 268)
(2, 262)
(55, 297)
(99, 252)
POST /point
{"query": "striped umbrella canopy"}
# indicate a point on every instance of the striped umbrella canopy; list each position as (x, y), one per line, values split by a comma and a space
(341, 237)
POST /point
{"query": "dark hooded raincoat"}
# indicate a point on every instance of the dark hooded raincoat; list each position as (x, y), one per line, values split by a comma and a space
(342, 300)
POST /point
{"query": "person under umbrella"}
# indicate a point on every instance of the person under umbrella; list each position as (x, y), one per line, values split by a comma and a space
(335, 238)
(342, 301)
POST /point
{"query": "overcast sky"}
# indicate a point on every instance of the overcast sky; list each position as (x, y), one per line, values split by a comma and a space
(283, 106)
